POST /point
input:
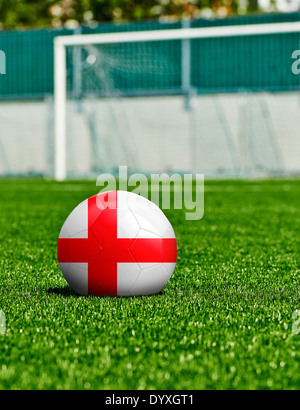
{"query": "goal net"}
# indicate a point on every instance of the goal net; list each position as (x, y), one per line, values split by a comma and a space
(219, 101)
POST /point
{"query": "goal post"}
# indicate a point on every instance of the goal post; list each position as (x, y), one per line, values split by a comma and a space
(86, 40)
(60, 98)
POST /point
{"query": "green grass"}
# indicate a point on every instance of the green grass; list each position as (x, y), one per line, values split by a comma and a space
(224, 320)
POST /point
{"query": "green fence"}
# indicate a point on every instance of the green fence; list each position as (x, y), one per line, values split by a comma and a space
(222, 64)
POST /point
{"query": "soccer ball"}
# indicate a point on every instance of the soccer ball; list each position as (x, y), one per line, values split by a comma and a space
(117, 243)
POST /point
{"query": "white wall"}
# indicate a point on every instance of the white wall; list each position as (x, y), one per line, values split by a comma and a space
(229, 134)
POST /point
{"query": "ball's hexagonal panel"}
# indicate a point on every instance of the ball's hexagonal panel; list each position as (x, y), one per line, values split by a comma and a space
(147, 250)
(76, 274)
(152, 279)
(128, 226)
(127, 276)
(144, 234)
(149, 216)
(169, 268)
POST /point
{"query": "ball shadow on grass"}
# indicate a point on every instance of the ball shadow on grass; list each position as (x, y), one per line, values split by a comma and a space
(66, 291)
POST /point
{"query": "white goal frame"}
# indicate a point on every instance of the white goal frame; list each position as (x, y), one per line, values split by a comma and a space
(60, 72)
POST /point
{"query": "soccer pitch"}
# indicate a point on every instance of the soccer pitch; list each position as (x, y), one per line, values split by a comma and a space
(224, 320)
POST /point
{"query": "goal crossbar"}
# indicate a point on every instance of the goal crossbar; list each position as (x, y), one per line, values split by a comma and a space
(178, 34)
(61, 42)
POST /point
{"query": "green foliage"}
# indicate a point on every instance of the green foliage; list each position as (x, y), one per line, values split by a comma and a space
(35, 13)
(29, 13)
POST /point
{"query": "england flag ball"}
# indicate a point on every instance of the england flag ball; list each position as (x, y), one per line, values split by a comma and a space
(117, 243)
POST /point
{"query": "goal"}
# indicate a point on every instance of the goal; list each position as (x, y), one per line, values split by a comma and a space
(209, 100)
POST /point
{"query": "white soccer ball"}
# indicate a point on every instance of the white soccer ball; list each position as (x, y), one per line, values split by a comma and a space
(117, 243)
